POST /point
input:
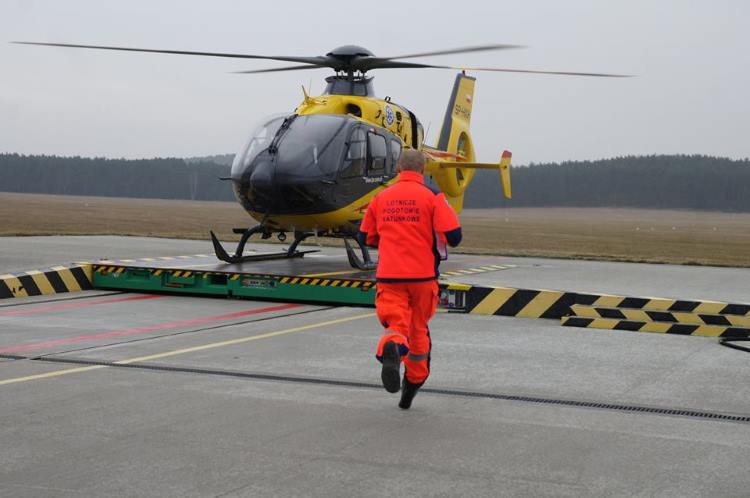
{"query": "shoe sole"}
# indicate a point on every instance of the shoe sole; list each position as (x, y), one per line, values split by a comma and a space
(390, 374)
(405, 404)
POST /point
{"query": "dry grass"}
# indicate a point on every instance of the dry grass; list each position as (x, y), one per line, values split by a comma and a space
(657, 236)
(685, 237)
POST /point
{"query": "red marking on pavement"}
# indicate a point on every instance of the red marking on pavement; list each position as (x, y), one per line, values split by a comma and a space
(80, 304)
(141, 330)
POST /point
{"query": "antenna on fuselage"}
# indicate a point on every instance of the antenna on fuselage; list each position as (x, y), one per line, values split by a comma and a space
(426, 133)
(307, 96)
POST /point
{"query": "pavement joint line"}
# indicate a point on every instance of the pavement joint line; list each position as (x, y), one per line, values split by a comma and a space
(65, 298)
(570, 403)
(144, 329)
(241, 340)
(13, 357)
(203, 347)
(166, 336)
(79, 305)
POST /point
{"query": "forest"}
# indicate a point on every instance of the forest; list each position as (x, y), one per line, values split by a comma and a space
(659, 181)
(162, 178)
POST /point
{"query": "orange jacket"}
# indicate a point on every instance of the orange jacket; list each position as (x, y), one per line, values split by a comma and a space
(406, 222)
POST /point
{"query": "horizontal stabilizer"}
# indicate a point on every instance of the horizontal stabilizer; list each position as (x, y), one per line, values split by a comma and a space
(503, 167)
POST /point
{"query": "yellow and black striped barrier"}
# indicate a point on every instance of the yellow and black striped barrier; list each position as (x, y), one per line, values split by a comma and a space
(669, 305)
(534, 303)
(55, 280)
(661, 316)
(526, 303)
(722, 331)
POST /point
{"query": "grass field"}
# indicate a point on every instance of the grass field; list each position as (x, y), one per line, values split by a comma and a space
(658, 236)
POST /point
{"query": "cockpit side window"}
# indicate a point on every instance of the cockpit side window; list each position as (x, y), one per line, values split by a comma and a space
(395, 155)
(378, 154)
(356, 155)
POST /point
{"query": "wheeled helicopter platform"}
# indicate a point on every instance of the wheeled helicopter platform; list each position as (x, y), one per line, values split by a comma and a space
(324, 277)
(321, 277)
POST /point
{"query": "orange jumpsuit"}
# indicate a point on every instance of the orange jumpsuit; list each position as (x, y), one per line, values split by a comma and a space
(409, 223)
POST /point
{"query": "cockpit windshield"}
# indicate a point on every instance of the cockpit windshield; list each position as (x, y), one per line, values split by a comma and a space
(259, 141)
(298, 146)
(313, 144)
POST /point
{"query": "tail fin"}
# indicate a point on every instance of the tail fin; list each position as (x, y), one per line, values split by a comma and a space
(455, 139)
(458, 113)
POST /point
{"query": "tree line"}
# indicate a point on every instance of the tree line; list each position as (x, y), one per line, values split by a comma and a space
(664, 181)
(661, 182)
(162, 178)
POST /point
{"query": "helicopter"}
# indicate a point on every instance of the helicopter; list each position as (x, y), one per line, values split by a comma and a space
(314, 171)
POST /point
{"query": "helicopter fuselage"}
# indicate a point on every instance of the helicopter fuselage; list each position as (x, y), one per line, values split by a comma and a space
(318, 168)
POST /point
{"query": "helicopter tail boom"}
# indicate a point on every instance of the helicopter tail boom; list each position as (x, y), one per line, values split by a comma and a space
(503, 167)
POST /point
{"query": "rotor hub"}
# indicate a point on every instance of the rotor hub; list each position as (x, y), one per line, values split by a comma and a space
(348, 52)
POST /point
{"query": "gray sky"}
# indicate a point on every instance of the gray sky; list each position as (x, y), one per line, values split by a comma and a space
(690, 96)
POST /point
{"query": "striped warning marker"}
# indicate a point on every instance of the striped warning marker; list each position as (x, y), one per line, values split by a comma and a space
(661, 316)
(526, 303)
(660, 304)
(55, 280)
(657, 327)
(535, 303)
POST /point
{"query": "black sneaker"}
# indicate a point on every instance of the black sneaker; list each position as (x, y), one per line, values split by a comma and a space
(408, 392)
(390, 374)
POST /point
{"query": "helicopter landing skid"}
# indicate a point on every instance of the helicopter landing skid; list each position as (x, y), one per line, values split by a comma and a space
(238, 257)
(354, 260)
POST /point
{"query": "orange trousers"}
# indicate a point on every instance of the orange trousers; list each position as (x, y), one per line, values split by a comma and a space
(404, 309)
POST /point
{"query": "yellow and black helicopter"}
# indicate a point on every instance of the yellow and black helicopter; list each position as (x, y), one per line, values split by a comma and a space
(313, 172)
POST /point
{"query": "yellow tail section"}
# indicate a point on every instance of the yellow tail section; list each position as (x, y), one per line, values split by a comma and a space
(455, 139)
(505, 173)
(458, 113)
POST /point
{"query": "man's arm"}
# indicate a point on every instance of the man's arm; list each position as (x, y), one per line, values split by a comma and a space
(446, 221)
(367, 239)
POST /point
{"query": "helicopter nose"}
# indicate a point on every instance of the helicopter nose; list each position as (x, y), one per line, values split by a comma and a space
(262, 176)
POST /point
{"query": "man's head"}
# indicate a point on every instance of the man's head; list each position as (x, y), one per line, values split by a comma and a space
(411, 160)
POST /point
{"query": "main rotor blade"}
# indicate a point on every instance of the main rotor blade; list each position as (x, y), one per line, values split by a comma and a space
(277, 69)
(398, 64)
(304, 60)
(368, 63)
(533, 71)
(459, 50)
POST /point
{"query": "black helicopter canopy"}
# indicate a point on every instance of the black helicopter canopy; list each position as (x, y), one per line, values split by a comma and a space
(313, 163)
(349, 59)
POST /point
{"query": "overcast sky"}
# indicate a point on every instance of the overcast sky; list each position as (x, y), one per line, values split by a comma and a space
(690, 57)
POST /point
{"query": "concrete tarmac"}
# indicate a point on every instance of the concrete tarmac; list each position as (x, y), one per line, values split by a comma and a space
(120, 394)
(631, 279)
